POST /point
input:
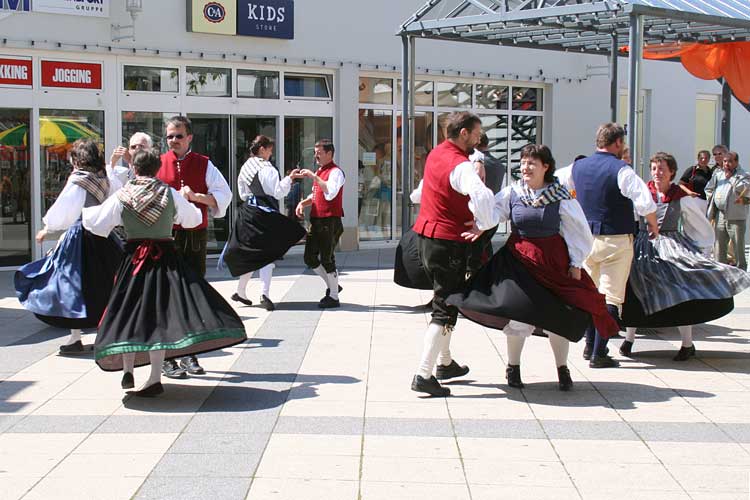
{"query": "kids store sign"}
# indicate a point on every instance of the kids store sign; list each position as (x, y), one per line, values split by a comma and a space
(263, 18)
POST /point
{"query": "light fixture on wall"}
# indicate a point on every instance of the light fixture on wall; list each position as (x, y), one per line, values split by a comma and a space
(133, 7)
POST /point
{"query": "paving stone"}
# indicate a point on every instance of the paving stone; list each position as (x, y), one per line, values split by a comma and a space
(144, 423)
(698, 432)
(224, 422)
(433, 427)
(601, 429)
(207, 465)
(521, 429)
(194, 488)
(244, 443)
(319, 425)
(58, 423)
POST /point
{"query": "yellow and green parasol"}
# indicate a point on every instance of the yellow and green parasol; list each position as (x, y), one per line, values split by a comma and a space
(52, 132)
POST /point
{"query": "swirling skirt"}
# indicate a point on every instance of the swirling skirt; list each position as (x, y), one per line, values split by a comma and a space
(408, 270)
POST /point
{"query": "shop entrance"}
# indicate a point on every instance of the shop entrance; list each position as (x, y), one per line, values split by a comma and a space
(15, 194)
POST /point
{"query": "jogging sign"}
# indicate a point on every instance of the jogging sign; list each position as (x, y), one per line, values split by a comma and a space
(72, 75)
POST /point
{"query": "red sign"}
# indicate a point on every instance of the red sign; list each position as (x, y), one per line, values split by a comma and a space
(15, 72)
(73, 75)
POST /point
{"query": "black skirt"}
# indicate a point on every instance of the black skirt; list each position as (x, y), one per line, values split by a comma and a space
(503, 290)
(692, 312)
(259, 238)
(408, 270)
(158, 303)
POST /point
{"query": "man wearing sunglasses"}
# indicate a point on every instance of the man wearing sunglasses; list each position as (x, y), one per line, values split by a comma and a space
(203, 185)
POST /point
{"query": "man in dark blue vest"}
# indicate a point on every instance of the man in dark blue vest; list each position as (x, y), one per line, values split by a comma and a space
(609, 192)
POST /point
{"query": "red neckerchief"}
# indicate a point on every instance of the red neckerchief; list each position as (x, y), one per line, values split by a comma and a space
(673, 193)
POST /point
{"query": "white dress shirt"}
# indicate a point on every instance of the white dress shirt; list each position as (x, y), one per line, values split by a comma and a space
(334, 183)
(67, 207)
(269, 181)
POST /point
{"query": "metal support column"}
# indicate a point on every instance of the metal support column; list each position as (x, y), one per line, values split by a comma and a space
(613, 85)
(405, 132)
(726, 113)
(634, 89)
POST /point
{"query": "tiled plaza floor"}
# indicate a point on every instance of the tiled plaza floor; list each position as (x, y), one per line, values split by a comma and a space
(316, 405)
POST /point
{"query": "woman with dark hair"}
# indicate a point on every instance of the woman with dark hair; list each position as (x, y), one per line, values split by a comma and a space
(673, 281)
(160, 307)
(261, 235)
(69, 287)
(536, 279)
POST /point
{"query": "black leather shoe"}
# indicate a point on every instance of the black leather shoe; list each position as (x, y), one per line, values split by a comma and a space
(587, 352)
(148, 392)
(453, 370)
(266, 303)
(603, 362)
(563, 376)
(626, 348)
(328, 303)
(127, 382)
(237, 298)
(513, 374)
(430, 386)
(190, 365)
(328, 291)
(685, 353)
(171, 370)
(72, 349)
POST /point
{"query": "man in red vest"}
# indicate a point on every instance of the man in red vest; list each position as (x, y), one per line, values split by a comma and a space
(456, 207)
(326, 202)
(202, 183)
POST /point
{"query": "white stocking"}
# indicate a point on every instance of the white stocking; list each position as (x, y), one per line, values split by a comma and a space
(333, 285)
(157, 359)
(266, 272)
(560, 347)
(630, 334)
(444, 357)
(75, 336)
(433, 342)
(242, 284)
(320, 271)
(515, 346)
(128, 362)
(686, 334)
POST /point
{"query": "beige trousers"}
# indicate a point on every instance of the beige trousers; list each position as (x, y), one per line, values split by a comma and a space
(608, 264)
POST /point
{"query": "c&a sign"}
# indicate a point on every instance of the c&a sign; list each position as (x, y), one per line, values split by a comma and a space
(264, 18)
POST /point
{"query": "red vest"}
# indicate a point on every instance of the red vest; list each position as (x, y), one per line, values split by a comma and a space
(443, 210)
(322, 207)
(190, 171)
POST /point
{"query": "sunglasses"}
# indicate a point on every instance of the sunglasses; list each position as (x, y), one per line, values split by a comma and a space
(176, 136)
(137, 146)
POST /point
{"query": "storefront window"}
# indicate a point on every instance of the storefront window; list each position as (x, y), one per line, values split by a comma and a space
(257, 84)
(15, 195)
(527, 98)
(524, 130)
(150, 79)
(454, 95)
(246, 129)
(315, 86)
(423, 130)
(300, 136)
(58, 130)
(211, 138)
(208, 82)
(153, 124)
(491, 96)
(374, 186)
(376, 90)
(423, 93)
(496, 128)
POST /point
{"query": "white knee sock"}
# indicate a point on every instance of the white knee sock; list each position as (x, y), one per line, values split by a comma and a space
(515, 346)
(630, 333)
(157, 359)
(266, 273)
(686, 334)
(560, 347)
(433, 342)
(75, 336)
(242, 284)
(320, 271)
(128, 362)
(333, 285)
(444, 357)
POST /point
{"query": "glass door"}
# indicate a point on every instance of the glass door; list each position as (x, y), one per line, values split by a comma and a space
(211, 138)
(15, 195)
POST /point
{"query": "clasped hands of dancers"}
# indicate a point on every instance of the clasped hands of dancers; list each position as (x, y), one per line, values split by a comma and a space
(148, 296)
(572, 266)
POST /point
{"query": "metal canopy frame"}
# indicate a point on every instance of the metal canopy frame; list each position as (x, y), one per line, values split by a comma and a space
(588, 26)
